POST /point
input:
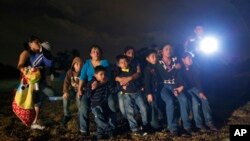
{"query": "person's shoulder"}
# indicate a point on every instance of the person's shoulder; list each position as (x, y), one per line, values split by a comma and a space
(105, 61)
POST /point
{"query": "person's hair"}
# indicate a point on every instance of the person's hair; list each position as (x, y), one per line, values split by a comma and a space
(99, 69)
(95, 46)
(166, 44)
(186, 54)
(32, 38)
(119, 57)
(150, 51)
(127, 48)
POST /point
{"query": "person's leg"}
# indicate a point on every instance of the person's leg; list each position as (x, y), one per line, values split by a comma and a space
(113, 108)
(154, 122)
(196, 108)
(142, 108)
(184, 109)
(128, 103)
(121, 104)
(83, 107)
(168, 98)
(37, 107)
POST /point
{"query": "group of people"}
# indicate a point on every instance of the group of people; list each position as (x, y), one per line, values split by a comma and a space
(160, 90)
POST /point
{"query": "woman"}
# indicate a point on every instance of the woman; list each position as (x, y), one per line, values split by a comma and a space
(36, 56)
(86, 75)
(172, 90)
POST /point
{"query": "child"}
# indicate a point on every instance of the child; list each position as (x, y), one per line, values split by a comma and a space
(150, 79)
(98, 90)
(193, 87)
(70, 87)
(131, 95)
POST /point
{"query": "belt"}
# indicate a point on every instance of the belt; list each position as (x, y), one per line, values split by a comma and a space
(169, 81)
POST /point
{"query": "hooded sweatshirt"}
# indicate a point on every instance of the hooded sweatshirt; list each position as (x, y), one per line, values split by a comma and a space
(71, 80)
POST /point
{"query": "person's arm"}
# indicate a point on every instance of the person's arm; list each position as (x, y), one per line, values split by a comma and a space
(148, 86)
(66, 85)
(22, 60)
(83, 79)
(179, 83)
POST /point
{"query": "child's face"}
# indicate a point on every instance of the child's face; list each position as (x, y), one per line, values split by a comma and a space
(152, 58)
(123, 63)
(130, 53)
(77, 67)
(166, 51)
(187, 61)
(95, 54)
(100, 76)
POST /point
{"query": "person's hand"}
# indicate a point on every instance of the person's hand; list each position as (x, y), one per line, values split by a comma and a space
(176, 93)
(123, 81)
(150, 98)
(202, 96)
(127, 79)
(65, 96)
(94, 85)
(178, 90)
(79, 94)
(178, 66)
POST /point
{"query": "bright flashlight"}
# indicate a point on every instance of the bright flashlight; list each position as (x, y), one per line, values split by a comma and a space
(208, 45)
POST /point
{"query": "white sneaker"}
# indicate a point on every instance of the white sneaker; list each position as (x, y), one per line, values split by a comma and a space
(37, 126)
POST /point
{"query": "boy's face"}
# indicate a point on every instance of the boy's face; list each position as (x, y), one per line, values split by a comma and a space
(130, 53)
(77, 67)
(187, 61)
(167, 50)
(100, 76)
(152, 58)
(123, 63)
(95, 53)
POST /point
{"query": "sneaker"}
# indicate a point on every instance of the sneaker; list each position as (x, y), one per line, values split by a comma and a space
(189, 132)
(139, 133)
(84, 133)
(174, 134)
(203, 129)
(212, 128)
(37, 126)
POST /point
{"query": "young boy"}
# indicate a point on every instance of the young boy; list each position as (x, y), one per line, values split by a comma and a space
(193, 87)
(70, 87)
(131, 96)
(150, 79)
(98, 90)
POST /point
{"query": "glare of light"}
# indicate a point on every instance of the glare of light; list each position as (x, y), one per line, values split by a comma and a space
(208, 45)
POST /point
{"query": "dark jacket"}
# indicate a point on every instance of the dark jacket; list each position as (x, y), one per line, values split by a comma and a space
(150, 79)
(191, 78)
(99, 96)
(134, 85)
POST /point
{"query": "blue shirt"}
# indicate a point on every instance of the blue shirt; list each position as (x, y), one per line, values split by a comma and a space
(88, 70)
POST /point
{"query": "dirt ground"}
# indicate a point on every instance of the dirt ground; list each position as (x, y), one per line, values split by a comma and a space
(230, 111)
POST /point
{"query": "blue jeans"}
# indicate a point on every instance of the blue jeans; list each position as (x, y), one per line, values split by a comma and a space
(67, 103)
(169, 98)
(102, 120)
(154, 112)
(199, 107)
(83, 108)
(113, 107)
(129, 100)
(121, 104)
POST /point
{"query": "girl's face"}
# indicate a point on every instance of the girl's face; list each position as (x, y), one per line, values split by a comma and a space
(152, 58)
(187, 61)
(123, 63)
(35, 45)
(95, 54)
(166, 51)
(77, 67)
(130, 53)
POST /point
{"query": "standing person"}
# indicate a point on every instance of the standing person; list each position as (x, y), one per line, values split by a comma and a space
(98, 90)
(36, 56)
(131, 96)
(192, 43)
(200, 105)
(70, 87)
(87, 72)
(151, 85)
(172, 90)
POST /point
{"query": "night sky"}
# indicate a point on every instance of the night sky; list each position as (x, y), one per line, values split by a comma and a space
(115, 24)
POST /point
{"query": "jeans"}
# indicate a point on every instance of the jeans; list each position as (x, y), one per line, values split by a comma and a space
(154, 112)
(102, 119)
(121, 104)
(67, 103)
(83, 108)
(129, 100)
(199, 107)
(113, 107)
(169, 98)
